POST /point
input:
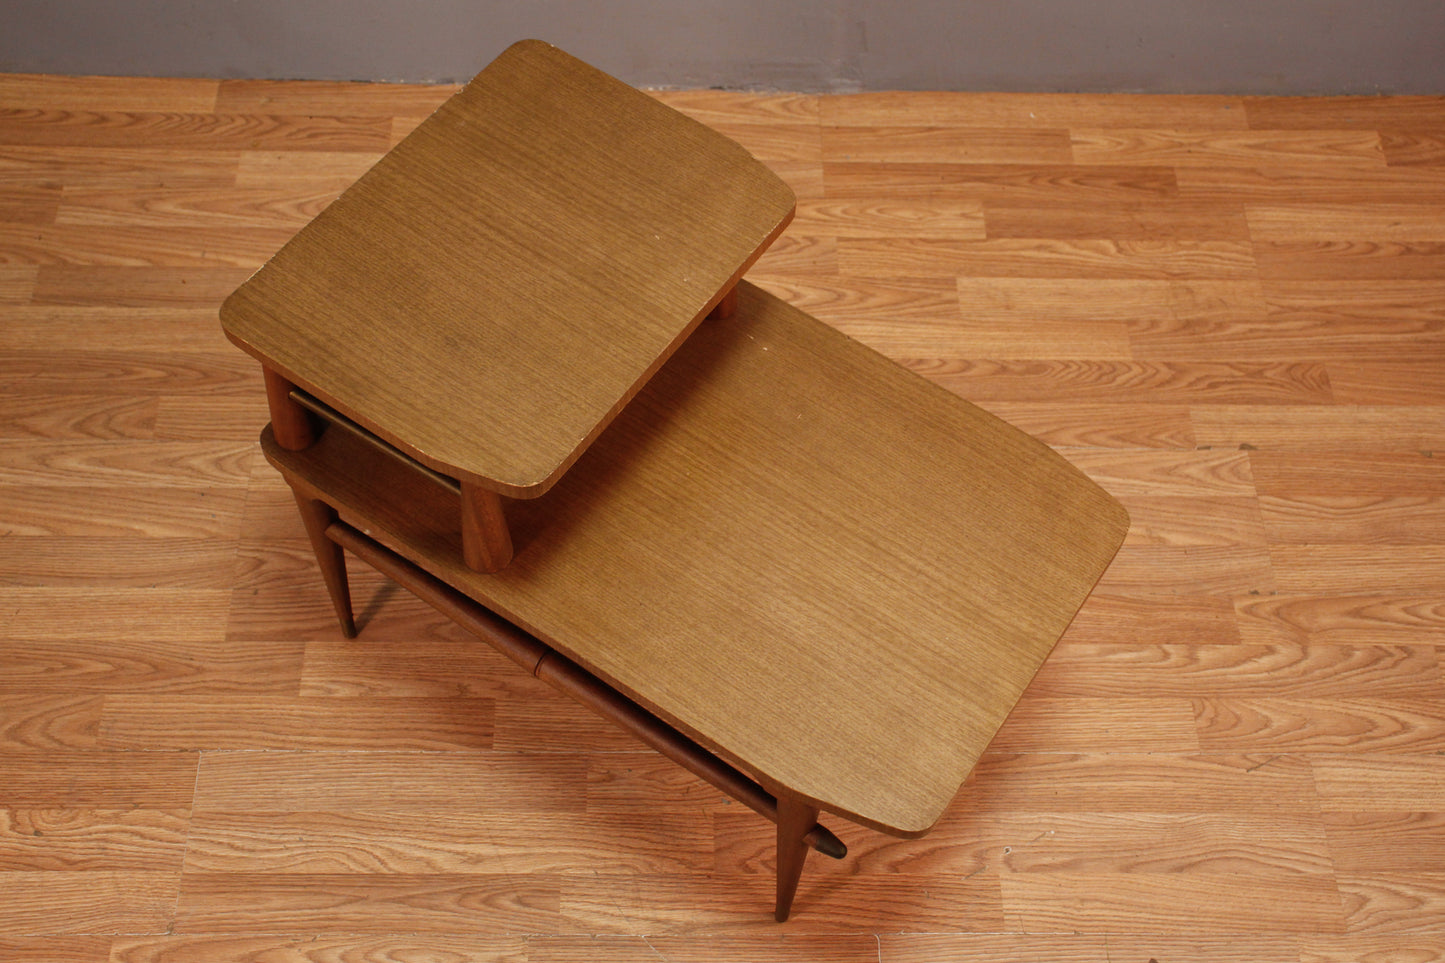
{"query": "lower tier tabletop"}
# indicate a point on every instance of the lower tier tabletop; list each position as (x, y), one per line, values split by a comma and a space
(824, 568)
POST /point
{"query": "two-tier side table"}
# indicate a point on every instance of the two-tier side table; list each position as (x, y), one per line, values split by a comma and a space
(515, 368)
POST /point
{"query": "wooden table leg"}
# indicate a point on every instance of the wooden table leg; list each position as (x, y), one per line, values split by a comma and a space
(293, 429)
(318, 516)
(795, 819)
(727, 307)
(290, 422)
(486, 541)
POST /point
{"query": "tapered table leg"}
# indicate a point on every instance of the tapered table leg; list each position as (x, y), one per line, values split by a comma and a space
(486, 540)
(290, 423)
(727, 307)
(795, 820)
(317, 516)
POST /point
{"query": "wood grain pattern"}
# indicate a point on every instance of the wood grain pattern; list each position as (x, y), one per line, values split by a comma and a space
(436, 902)
(316, 949)
(82, 902)
(93, 780)
(1374, 619)
(1008, 110)
(1303, 183)
(1128, 472)
(38, 127)
(128, 373)
(1302, 823)
(1153, 619)
(108, 93)
(1112, 725)
(1355, 519)
(1137, 221)
(1329, 320)
(1184, 844)
(323, 780)
(1157, 383)
(1214, 149)
(39, 415)
(1079, 948)
(1348, 473)
(1374, 725)
(1404, 148)
(1364, 949)
(1196, 670)
(140, 286)
(329, 98)
(1362, 843)
(137, 168)
(1396, 382)
(1370, 783)
(717, 107)
(1072, 424)
(948, 145)
(865, 904)
(191, 664)
(776, 142)
(1358, 569)
(1323, 222)
(873, 217)
(140, 463)
(1043, 185)
(108, 328)
(118, 562)
(56, 949)
(171, 208)
(29, 204)
(638, 782)
(17, 282)
(92, 840)
(1048, 258)
(70, 246)
(328, 171)
(57, 614)
(1355, 260)
(441, 664)
(460, 843)
(49, 722)
(576, 187)
(149, 722)
(1133, 782)
(727, 435)
(791, 948)
(1342, 113)
(1381, 906)
(1060, 902)
(1379, 428)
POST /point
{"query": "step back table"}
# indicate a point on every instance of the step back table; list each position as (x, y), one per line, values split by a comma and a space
(514, 368)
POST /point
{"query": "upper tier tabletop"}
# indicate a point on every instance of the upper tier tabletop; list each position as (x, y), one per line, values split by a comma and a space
(493, 291)
(825, 568)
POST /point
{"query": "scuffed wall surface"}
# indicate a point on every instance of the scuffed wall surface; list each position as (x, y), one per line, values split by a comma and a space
(1203, 46)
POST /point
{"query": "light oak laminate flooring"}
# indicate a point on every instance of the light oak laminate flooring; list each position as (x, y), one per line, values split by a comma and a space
(1228, 311)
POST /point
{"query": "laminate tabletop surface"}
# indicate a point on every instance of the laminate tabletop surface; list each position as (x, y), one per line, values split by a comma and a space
(828, 570)
(494, 290)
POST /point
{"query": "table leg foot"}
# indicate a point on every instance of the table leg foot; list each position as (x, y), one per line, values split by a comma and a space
(795, 819)
(317, 516)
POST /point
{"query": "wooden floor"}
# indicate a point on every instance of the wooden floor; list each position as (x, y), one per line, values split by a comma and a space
(1231, 312)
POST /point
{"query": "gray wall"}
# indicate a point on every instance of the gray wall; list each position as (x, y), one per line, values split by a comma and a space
(1166, 46)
